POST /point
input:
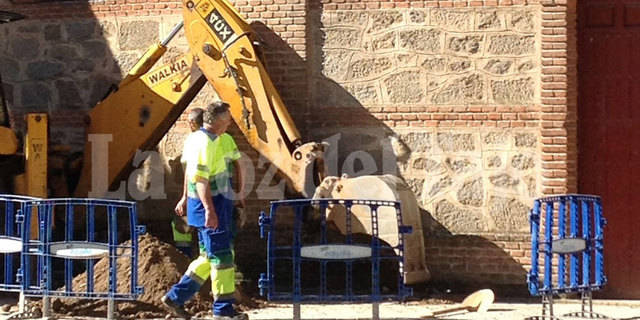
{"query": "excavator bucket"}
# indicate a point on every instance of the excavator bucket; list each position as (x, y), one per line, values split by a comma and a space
(388, 188)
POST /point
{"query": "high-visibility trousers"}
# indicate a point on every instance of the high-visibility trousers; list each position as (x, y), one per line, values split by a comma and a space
(215, 260)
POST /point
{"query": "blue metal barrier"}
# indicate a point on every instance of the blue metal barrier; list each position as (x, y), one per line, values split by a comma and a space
(12, 244)
(318, 253)
(567, 228)
(72, 235)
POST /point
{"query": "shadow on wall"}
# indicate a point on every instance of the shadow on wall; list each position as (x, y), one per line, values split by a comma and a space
(361, 140)
(65, 65)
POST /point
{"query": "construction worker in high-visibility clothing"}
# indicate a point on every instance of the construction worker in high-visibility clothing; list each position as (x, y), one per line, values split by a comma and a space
(209, 210)
(182, 232)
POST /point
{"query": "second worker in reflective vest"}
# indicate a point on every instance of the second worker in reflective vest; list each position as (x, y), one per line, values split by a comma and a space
(210, 165)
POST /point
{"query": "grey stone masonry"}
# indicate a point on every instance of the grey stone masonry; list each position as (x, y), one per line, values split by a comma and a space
(462, 55)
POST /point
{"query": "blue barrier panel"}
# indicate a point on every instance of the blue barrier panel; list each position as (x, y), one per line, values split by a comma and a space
(12, 208)
(69, 241)
(550, 219)
(289, 246)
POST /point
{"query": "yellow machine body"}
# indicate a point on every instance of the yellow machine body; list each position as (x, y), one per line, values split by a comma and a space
(137, 116)
(222, 43)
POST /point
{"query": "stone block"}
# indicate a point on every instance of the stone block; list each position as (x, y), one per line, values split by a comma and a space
(9, 69)
(522, 162)
(509, 214)
(425, 40)
(460, 65)
(441, 185)
(124, 61)
(456, 142)
(40, 70)
(84, 65)
(471, 193)
(504, 180)
(525, 140)
(405, 87)
(52, 32)
(68, 94)
(80, 30)
(382, 42)
(469, 89)
(25, 48)
(134, 35)
(418, 16)
(383, 20)
(512, 44)
(35, 95)
(459, 166)
(364, 93)
(496, 137)
(523, 21)
(95, 49)
(434, 64)
(29, 28)
(366, 67)
(513, 91)
(406, 60)
(494, 162)
(526, 65)
(106, 29)
(335, 63)
(452, 20)
(417, 141)
(63, 52)
(530, 182)
(416, 185)
(459, 220)
(467, 45)
(353, 18)
(491, 20)
(498, 66)
(343, 38)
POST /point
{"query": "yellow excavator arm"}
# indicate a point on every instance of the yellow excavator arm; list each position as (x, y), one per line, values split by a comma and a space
(221, 42)
(149, 100)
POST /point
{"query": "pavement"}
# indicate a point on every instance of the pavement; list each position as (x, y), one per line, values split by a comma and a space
(500, 310)
(622, 310)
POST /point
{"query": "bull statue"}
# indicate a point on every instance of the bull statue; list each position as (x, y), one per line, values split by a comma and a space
(380, 187)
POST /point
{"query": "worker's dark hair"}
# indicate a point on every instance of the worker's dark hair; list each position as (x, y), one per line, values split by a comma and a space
(214, 111)
(195, 115)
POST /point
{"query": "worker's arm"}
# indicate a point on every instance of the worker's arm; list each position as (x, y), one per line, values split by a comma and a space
(181, 207)
(204, 193)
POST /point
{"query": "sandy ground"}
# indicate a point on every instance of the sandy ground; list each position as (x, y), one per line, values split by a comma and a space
(627, 310)
(613, 309)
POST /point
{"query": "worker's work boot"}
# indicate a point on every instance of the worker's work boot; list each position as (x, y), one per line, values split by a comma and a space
(175, 309)
(236, 316)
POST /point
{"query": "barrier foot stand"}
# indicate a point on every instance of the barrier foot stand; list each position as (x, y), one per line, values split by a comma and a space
(26, 313)
(296, 311)
(111, 309)
(46, 307)
(22, 303)
(587, 309)
(375, 310)
(547, 306)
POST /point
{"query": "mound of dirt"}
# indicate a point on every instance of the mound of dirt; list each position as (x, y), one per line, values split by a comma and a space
(160, 265)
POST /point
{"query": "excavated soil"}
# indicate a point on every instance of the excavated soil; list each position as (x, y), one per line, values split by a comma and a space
(160, 265)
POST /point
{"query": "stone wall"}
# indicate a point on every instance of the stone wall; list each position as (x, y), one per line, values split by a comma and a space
(453, 94)
(470, 179)
(472, 102)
